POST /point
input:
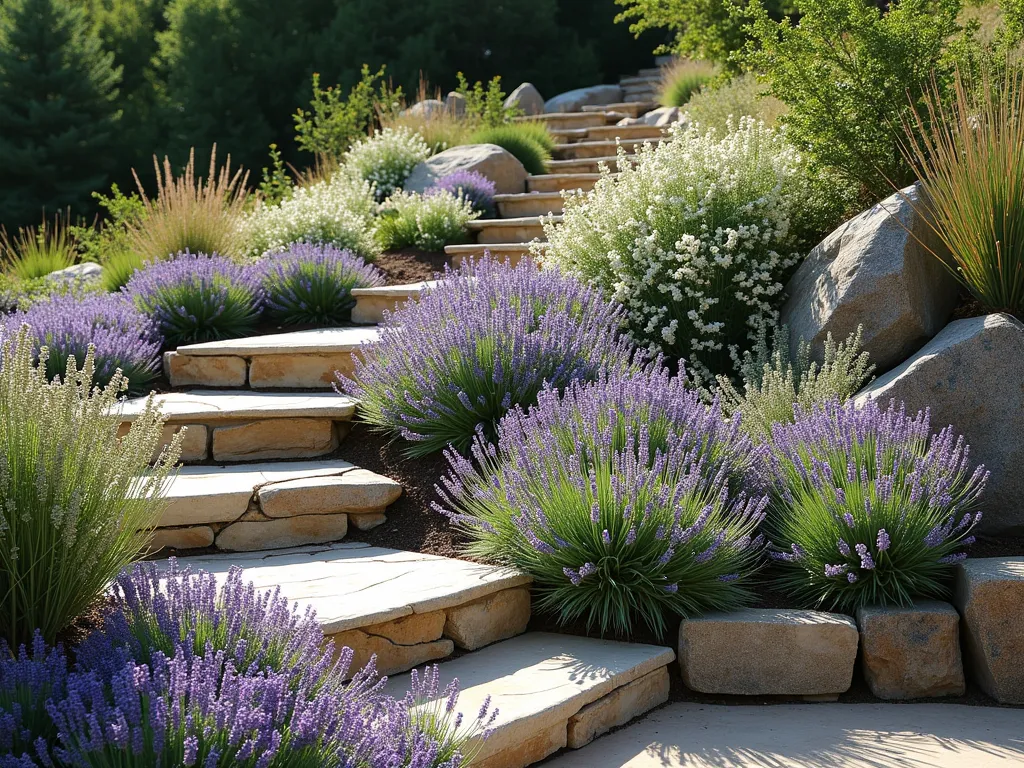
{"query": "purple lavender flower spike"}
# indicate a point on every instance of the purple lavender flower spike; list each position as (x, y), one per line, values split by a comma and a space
(470, 185)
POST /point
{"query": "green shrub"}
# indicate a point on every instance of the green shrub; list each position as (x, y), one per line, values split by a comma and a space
(683, 80)
(523, 140)
(773, 383)
(119, 268)
(78, 500)
(485, 106)
(968, 151)
(386, 159)
(33, 253)
(429, 222)
(716, 104)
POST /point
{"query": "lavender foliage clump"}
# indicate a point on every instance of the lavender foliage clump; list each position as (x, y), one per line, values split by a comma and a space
(623, 499)
(195, 297)
(312, 284)
(27, 681)
(122, 337)
(869, 507)
(469, 185)
(486, 338)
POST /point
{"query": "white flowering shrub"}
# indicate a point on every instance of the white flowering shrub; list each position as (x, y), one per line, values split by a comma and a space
(696, 237)
(339, 212)
(387, 158)
(429, 221)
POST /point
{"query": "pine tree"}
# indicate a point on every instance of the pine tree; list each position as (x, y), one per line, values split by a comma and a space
(58, 116)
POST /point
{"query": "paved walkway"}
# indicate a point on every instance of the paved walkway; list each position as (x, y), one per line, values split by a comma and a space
(811, 736)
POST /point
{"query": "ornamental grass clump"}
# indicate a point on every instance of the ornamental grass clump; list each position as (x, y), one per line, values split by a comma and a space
(78, 501)
(486, 338)
(120, 336)
(696, 237)
(429, 222)
(623, 499)
(472, 186)
(868, 507)
(386, 159)
(529, 143)
(312, 284)
(195, 297)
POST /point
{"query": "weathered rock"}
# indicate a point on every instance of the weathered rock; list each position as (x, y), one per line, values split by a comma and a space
(972, 376)
(426, 108)
(195, 537)
(989, 594)
(392, 658)
(409, 630)
(571, 101)
(193, 441)
(768, 652)
(618, 707)
(274, 439)
(873, 272)
(301, 371)
(77, 273)
(356, 489)
(497, 164)
(253, 535)
(532, 749)
(366, 521)
(661, 117)
(527, 98)
(455, 104)
(206, 371)
(493, 618)
(911, 653)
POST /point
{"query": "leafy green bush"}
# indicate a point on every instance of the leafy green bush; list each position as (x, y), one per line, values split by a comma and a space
(386, 159)
(485, 107)
(968, 151)
(523, 140)
(429, 221)
(33, 253)
(683, 80)
(84, 497)
(773, 383)
(696, 237)
(714, 106)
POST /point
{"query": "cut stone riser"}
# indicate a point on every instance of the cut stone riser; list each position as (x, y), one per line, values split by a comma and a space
(513, 253)
(301, 370)
(526, 207)
(626, 108)
(589, 149)
(495, 231)
(371, 303)
(585, 165)
(557, 182)
(568, 120)
(612, 132)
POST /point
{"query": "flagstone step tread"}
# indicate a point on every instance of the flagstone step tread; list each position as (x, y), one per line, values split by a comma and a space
(513, 252)
(622, 106)
(531, 203)
(518, 221)
(540, 682)
(205, 406)
(567, 119)
(639, 131)
(604, 148)
(649, 79)
(558, 181)
(372, 303)
(398, 291)
(566, 166)
(320, 340)
(566, 135)
(352, 585)
(515, 197)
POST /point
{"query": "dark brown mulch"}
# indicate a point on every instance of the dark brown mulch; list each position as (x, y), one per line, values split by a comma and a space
(968, 306)
(410, 265)
(85, 623)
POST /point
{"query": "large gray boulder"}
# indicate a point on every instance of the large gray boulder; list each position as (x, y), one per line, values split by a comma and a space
(77, 273)
(455, 104)
(527, 98)
(874, 272)
(572, 101)
(426, 108)
(661, 117)
(972, 376)
(497, 164)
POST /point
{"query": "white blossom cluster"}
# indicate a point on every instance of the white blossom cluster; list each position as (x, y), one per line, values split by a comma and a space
(339, 212)
(429, 222)
(695, 237)
(387, 158)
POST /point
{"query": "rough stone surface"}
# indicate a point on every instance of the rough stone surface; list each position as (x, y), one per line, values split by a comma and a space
(989, 594)
(87, 271)
(495, 617)
(873, 272)
(408, 630)
(534, 749)
(353, 585)
(497, 164)
(539, 680)
(911, 653)
(194, 537)
(299, 371)
(661, 117)
(364, 521)
(767, 652)
(274, 439)
(209, 371)
(972, 376)
(391, 657)
(527, 98)
(194, 440)
(572, 101)
(455, 104)
(426, 108)
(618, 707)
(234, 405)
(325, 341)
(255, 535)
(356, 490)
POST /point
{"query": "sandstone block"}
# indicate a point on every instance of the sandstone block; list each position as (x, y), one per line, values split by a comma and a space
(366, 521)
(204, 370)
(410, 630)
(301, 371)
(911, 653)
(194, 537)
(392, 658)
(497, 164)
(356, 489)
(274, 439)
(252, 535)
(532, 749)
(193, 441)
(488, 620)
(618, 708)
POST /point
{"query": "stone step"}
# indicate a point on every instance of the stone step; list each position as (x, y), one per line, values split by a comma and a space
(371, 303)
(626, 108)
(641, 80)
(241, 425)
(407, 608)
(246, 507)
(651, 72)
(556, 182)
(553, 691)
(295, 360)
(558, 120)
(642, 94)
(612, 132)
(569, 135)
(581, 165)
(588, 149)
(528, 204)
(519, 230)
(514, 252)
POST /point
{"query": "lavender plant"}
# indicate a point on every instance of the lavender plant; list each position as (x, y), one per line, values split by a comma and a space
(27, 681)
(868, 507)
(469, 185)
(621, 498)
(312, 284)
(195, 297)
(121, 337)
(488, 337)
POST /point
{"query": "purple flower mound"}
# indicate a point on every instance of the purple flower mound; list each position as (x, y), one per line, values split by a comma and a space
(195, 298)
(470, 185)
(27, 681)
(312, 284)
(486, 338)
(122, 337)
(868, 506)
(623, 499)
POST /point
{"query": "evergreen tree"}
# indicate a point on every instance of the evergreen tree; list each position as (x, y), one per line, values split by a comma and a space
(58, 114)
